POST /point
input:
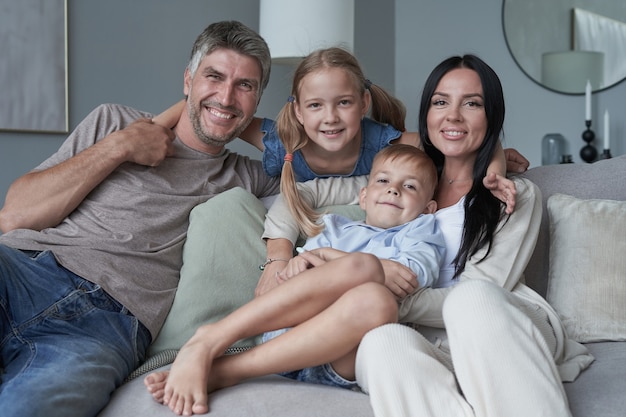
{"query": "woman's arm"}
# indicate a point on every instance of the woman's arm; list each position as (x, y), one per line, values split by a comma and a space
(510, 252)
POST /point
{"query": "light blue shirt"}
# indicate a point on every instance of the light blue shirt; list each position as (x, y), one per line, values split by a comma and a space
(418, 244)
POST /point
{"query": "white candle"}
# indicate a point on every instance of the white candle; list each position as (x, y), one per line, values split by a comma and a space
(588, 101)
(606, 130)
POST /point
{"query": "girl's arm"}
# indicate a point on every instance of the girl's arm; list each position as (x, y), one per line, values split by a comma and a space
(169, 117)
(281, 229)
(252, 134)
(497, 182)
(410, 138)
(279, 252)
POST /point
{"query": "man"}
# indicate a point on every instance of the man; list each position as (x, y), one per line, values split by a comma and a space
(92, 250)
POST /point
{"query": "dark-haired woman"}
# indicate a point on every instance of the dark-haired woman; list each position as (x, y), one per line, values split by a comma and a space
(485, 344)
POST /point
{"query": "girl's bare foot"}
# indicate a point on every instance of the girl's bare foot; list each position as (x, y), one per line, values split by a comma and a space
(155, 384)
(184, 388)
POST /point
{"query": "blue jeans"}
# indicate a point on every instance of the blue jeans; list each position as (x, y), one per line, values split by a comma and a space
(65, 344)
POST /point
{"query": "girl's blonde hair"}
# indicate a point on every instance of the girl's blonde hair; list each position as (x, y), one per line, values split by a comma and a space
(385, 109)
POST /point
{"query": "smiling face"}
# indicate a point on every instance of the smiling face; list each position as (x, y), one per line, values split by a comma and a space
(399, 189)
(222, 96)
(330, 107)
(457, 123)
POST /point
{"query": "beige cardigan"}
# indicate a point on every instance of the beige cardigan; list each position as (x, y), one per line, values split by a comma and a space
(512, 248)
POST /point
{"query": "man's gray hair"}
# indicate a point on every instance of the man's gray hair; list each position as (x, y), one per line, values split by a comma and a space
(237, 37)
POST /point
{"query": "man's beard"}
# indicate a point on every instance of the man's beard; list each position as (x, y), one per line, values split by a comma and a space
(212, 139)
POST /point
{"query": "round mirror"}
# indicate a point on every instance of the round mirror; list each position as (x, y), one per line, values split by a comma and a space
(560, 44)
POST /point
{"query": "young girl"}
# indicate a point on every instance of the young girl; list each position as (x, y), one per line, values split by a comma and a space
(323, 131)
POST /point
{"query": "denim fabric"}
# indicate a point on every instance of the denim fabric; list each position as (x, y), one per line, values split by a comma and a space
(65, 344)
(322, 374)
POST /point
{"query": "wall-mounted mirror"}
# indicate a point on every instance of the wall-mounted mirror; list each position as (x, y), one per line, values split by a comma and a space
(560, 44)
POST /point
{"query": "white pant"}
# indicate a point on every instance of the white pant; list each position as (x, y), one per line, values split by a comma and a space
(500, 362)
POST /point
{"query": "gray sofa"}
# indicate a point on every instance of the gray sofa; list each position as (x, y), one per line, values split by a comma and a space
(598, 392)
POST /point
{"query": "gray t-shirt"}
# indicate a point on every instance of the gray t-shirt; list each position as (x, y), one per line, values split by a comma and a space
(128, 233)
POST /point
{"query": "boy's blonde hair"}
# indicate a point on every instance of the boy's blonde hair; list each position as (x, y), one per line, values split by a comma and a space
(422, 163)
(385, 109)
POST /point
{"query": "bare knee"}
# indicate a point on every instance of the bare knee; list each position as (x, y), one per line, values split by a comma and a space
(372, 305)
(364, 267)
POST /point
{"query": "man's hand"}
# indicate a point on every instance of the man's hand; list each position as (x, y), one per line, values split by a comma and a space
(515, 161)
(41, 199)
(503, 189)
(146, 143)
(399, 279)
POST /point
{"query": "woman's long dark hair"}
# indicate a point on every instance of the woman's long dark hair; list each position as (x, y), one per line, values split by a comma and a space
(483, 211)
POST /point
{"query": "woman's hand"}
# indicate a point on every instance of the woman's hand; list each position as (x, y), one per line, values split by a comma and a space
(399, 279)
(503, 189)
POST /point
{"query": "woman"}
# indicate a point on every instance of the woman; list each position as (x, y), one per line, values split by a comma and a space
(485, 345)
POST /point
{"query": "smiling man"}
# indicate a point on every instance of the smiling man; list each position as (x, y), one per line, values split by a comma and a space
(92, 245)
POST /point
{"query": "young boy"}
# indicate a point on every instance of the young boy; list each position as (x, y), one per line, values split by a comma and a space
(333, 292)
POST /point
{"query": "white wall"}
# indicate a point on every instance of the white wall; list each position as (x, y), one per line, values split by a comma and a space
(428, 31)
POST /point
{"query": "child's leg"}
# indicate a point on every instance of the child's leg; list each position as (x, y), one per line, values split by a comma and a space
(332, 336)
(291, 303)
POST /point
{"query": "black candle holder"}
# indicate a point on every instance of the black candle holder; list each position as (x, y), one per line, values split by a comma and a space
(606, 154)
(588, 153)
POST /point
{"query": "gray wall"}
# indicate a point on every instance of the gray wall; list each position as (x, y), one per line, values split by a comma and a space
(429, 31)
(135, 52)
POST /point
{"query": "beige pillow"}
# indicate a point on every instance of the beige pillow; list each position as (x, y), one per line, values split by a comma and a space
(587, 284)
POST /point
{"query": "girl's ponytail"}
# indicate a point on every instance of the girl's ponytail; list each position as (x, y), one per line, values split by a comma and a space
(294, 138)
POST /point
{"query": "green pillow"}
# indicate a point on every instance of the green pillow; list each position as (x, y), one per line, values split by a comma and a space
(221, 259)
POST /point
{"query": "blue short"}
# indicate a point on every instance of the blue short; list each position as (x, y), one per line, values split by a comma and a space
(322, 374)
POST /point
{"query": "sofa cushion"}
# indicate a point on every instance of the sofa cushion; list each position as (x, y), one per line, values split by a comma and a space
(273, 395)
(587, 284)
(603, 179)
(209, 290)
(599, 391)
